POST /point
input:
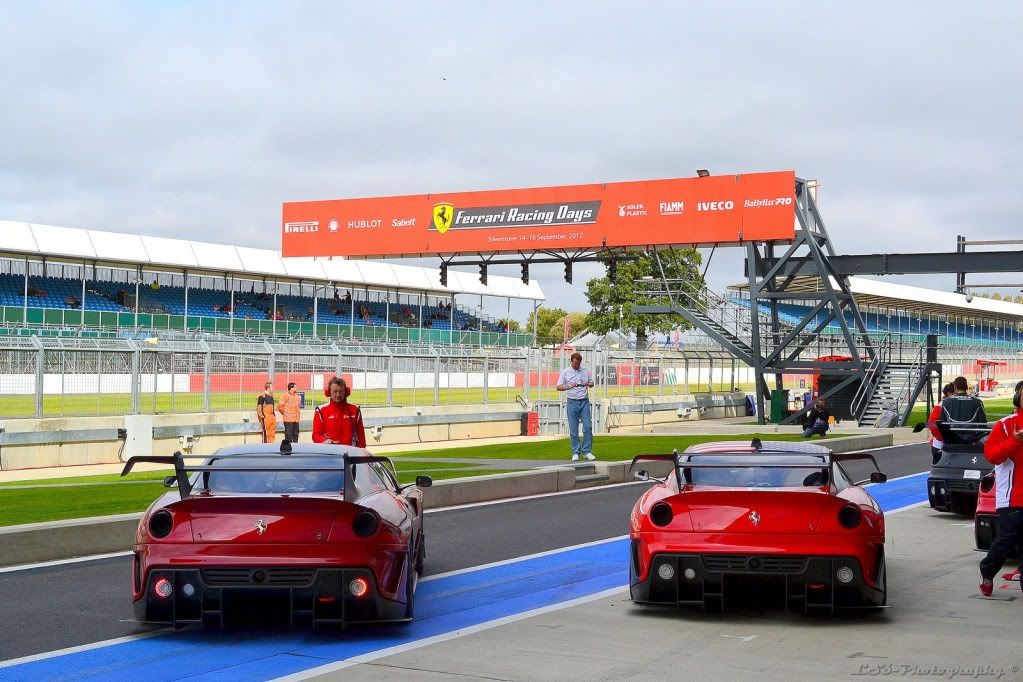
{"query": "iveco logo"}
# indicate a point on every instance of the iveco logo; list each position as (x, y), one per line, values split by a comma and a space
(754, 518)
(260, 527)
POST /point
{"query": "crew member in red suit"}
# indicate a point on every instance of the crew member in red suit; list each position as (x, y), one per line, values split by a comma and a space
(339, 422)
(1004, 449)
(935, 416)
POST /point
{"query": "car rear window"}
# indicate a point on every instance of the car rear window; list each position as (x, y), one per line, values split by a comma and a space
(281, 481)
(750, 471)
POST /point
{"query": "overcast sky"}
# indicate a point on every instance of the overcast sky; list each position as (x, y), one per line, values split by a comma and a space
(198, 120)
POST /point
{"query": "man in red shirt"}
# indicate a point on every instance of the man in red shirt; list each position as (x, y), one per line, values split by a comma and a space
(1004, 449)
(339, 421)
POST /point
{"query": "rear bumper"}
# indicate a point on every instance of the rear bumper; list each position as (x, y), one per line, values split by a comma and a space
(218, 596)
(712, 581)
(947, 490)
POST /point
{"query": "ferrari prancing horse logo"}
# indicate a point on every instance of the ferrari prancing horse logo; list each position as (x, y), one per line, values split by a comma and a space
(443, 214)
(260, 527)
(754, 518)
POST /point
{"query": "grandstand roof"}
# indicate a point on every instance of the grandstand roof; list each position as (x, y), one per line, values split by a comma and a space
(115, 249)
(871, 292)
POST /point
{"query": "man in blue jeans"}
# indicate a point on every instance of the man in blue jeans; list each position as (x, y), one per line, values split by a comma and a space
(577, 382)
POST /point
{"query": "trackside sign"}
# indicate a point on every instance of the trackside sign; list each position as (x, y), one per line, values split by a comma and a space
(684, 211)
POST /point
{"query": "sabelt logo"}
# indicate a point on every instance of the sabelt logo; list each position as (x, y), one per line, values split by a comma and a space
(714, 205)
(447, 217)
(672, 207)
(305, 226)
(765, 203)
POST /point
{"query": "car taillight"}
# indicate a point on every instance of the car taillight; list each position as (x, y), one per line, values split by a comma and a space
(365, 523)
(161, 523)
(162, 588)
(359, 588)
(850, 516)
(661, 514)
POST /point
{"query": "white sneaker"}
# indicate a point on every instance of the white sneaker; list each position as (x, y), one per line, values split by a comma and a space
(589, 456)
(575, 458)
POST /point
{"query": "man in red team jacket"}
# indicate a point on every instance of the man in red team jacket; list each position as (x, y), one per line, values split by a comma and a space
(935, 416)
(1004, 449)
(339, 421)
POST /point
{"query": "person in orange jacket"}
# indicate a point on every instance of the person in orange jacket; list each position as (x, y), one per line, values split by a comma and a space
(265, 413)
(290, 408)
(339, 421)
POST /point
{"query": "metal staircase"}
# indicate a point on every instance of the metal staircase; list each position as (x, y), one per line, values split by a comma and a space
(892, 384)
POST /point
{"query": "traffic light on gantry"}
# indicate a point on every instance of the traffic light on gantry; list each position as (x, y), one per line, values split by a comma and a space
(483, 274)
(525, 272)
(568, 271)
(443, 274)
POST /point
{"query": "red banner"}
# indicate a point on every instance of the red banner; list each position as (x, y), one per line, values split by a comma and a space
(722, 209)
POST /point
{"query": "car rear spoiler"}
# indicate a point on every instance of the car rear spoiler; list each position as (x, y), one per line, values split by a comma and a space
(828, 464)
(345, 463)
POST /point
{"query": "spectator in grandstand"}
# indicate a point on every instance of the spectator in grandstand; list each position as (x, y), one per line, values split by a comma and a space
(576, 382)
(348, 298)
(289, 407)
(339, 422)
(1004, 449)
(155, 286)
(935, 416)
(72, 301)
(36, 292)
(817, 417)
(265, 413)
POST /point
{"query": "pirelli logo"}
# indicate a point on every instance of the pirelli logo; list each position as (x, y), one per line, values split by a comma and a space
(447, 216)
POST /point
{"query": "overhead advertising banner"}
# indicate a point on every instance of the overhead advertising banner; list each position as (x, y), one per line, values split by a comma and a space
(725, 209)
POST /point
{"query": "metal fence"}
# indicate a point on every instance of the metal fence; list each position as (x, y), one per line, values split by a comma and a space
(65, 377)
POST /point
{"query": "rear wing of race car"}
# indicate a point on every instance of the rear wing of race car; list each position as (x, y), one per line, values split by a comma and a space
(828, 464)
(345, 462)
(958, 433)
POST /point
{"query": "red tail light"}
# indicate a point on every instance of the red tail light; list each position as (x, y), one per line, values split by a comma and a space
(358, 588)
(162, 588)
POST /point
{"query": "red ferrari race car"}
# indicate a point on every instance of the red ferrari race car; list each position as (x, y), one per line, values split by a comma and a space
(779, 523)
(316, 534)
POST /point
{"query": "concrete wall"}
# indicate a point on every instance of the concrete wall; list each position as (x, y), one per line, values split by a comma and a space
(708, 406)
(74, 453)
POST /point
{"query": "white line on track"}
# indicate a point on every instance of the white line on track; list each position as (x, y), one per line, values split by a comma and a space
(455, 634)
(82, 647)
(61, 562)
(533, 497)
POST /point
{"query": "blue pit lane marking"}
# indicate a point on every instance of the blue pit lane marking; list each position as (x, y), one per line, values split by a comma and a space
(443, 606)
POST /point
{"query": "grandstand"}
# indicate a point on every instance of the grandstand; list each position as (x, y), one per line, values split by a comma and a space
(76, 281)
(900, 309)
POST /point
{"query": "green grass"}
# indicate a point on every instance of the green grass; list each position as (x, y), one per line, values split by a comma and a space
(76, 404)
(105, 496)
(996, 408)
(608, 448)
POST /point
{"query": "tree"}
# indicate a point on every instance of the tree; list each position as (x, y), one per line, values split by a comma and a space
(550, 324)
(612, 302)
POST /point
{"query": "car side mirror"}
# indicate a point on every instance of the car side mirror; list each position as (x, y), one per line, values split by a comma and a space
(424, 481)
(170, 481)
(878, 477)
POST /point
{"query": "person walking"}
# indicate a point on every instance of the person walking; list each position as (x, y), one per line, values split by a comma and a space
(936, 438)
(577, 381)
(265, 413)
(291, 412)
(1004, 449)
(339, 422)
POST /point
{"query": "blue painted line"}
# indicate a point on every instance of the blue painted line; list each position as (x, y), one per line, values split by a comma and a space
(442, 606)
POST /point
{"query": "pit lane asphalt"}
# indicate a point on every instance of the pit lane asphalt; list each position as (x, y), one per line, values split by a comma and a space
(50, 608)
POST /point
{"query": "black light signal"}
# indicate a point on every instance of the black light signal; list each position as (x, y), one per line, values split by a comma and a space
(483, 274)
(612, 270)
(568, 271)
(443, 274)
(525, 272)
